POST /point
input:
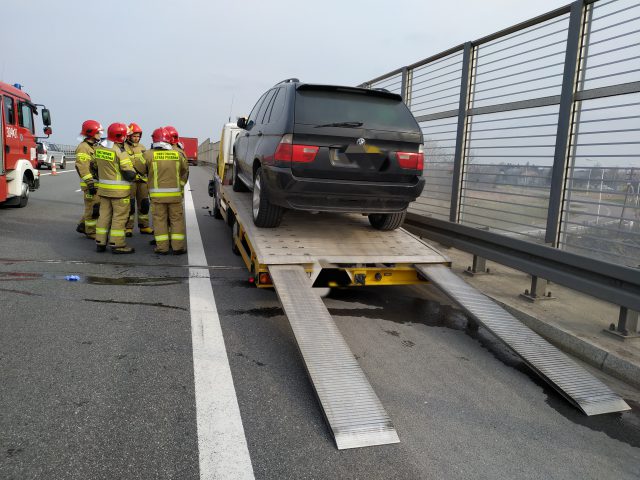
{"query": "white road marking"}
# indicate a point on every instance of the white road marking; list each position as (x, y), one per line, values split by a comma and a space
(58, 173)
(79, 190)
(222, 444)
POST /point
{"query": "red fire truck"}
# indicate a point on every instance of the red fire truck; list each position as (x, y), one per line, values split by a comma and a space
(18, 162)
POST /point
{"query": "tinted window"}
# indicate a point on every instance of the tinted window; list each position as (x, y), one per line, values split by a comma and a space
(263, 107)
(380, 113)
(253, 113)
(278, 105)
(26, 117)
(9, 111)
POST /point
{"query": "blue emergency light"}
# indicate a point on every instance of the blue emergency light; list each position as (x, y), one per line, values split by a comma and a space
(18, 86)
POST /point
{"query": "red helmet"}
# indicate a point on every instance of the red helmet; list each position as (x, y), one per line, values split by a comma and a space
(173, 133)
(90, 128)
(117, 132)
(161, 135)
(134, 128)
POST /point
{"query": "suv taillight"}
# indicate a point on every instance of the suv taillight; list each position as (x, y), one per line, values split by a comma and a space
(288, 152)
(411, 160)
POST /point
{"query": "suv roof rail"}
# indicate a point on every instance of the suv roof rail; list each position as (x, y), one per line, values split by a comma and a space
(383, 90)
(288, 80)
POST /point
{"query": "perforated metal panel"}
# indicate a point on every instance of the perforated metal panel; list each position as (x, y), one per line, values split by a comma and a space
(352, 409)
(572, 381)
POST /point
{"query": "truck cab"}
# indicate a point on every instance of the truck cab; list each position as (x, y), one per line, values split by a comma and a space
(18, 155)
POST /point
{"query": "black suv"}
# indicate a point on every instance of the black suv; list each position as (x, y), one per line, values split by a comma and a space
(329, 148)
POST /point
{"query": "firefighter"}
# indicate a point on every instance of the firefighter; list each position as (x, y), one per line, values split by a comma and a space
(139, 188)
(175, 139)
(116, 172)
(86, 168)
(167, 171)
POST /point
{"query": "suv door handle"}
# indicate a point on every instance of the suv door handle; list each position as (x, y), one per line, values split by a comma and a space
(259, 134)
(246, 134)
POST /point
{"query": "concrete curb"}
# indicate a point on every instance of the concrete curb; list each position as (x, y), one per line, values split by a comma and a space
(581, 348)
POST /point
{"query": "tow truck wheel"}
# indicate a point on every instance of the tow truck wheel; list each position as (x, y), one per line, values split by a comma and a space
(265, 214)
(216, 209)
(235, 233)
(63, 164)
(215, 212)
(387, 221)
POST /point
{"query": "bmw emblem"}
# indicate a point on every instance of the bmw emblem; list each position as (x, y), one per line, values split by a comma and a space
(360, 141)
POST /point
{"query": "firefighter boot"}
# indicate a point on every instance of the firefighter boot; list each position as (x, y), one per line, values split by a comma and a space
(122, 250)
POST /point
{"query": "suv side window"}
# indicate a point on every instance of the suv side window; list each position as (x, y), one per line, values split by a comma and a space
(9, 111)
(278, 105)
(263, 107)
(252, 116)
(26, 117)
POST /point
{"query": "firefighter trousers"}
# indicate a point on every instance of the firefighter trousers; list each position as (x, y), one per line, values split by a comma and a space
(168, 226)
(140, 202)
(113, 218)
(90, 216)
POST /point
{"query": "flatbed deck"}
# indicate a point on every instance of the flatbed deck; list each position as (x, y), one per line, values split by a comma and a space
(329, 241)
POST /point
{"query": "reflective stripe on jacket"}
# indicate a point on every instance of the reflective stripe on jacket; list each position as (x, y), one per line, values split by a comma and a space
(85, 162)
(167, 173)
(111, 162)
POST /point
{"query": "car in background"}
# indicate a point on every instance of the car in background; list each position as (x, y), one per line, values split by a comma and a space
(47, 154)
(326, 148)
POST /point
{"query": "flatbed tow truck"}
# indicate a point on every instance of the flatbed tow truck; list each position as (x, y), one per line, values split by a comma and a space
(325, 250)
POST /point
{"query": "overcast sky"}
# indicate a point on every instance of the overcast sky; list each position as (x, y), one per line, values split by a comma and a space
(160, 62)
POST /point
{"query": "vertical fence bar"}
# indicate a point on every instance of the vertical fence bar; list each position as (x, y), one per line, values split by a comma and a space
(403, 85)
(583, 55)
(565, 121)
(458, 160)
(409, 88)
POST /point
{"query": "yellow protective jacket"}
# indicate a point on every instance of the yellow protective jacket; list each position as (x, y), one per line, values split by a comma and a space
(135, 151)
(85, 164)
(167, 173)
(115, 171)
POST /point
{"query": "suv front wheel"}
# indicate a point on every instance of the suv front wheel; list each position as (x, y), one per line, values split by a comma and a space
(265, 214)
(387, 221)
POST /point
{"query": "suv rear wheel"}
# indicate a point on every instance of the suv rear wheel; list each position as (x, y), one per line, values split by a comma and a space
(387, 221)
(265, 214)
(237, 184)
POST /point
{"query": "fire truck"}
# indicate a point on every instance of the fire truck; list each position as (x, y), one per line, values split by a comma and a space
(18, 158)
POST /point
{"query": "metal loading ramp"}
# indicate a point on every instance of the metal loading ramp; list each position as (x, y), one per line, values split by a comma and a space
(352, 409)
(572, 381)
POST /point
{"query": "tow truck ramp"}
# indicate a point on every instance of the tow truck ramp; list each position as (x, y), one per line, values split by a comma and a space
(291, 257)
(572, 381)
(352, 409)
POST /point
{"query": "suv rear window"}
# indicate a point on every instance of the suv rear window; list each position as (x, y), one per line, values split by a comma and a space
(322, 107)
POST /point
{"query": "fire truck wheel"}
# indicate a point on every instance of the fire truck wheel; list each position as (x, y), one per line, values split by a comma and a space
(23, 199)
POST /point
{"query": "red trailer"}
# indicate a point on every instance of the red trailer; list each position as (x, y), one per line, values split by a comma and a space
(190, 146)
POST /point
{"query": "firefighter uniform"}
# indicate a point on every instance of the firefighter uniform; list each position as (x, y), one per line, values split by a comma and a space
(139, 189)
(115, 170)
(167, 173)
(86, 168)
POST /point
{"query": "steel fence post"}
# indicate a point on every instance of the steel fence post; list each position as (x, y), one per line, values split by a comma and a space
(565, 121)
(461, 133)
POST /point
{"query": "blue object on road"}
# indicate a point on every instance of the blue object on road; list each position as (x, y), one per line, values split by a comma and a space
(72, 278)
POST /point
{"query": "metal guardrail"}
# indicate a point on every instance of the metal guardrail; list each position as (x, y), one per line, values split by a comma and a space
(533, 132)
